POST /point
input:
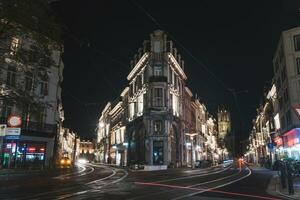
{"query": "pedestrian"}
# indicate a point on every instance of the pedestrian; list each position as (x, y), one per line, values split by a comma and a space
(282, 169)
(290, 171)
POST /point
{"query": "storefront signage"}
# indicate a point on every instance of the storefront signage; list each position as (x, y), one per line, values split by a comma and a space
(292, 137)
(13, 131)
(14, 121)
(278, 141)
(2, 129)
(12, 137)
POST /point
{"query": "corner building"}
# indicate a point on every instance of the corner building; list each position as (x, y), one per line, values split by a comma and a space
(144, 125)
(149, 123)
(156, 87)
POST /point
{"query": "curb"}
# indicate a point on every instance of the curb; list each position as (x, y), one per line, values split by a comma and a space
(275, 192)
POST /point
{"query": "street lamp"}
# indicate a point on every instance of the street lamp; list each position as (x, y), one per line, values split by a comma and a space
(191, 143)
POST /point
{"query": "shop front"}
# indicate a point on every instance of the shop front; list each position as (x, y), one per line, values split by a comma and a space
(26, 152)
(291, 142)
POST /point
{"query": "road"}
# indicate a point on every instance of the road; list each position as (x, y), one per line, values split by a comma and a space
(103, 182)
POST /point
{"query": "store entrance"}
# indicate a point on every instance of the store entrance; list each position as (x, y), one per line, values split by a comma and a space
(158, 152)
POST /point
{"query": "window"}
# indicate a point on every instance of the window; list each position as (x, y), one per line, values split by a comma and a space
(15, 43)
(156, 46)
(140, 105)
(11, 76)
(42, 116)
(298, 65)
(157, 70)
(28, 81)
(6, 110)
(112, 138)
(158, 127)
(44, 88)
(158, 97)
(131, 90)
(297, 42)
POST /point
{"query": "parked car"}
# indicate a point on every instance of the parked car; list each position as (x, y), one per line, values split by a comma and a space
(203, 163)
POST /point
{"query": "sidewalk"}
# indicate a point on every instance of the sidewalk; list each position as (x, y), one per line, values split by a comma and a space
(19, 171)
(275, 188)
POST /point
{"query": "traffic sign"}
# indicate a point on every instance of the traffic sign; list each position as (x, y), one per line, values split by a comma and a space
(2, 129)
(13, 131)
(14, 121)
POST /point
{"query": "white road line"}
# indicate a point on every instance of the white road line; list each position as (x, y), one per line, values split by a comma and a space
(66, 189)
(188, 177)
(212, 188)
(64, 175)
(94, 190)
(215, 180)
(98, 180)
(203, 183)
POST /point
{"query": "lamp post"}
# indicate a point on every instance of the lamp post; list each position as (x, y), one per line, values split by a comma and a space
(191, 139)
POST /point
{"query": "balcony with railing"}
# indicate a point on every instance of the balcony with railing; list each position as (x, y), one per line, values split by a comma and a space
(35, 128)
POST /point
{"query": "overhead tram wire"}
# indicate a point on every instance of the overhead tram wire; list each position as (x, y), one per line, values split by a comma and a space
(82, 43)
(212, 74)
(182, 46)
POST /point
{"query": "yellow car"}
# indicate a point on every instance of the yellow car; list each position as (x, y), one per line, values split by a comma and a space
(65, 163)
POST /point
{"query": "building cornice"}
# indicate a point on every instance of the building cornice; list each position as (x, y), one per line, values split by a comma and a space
(177, 66)
(106, 108)
(138, 66)
(188, 91)
(116, 108)
(124, 92)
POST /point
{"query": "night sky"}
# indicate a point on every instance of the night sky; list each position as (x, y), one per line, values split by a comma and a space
(235, 40)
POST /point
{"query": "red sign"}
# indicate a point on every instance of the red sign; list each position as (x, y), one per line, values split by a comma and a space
(14, 121)
(278, 141)
(31, 149)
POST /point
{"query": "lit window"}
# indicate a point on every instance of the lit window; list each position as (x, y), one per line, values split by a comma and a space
(297, 42)
(15, 43)
(140, 104)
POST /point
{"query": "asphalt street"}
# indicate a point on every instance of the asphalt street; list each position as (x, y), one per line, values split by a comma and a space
(93, 181)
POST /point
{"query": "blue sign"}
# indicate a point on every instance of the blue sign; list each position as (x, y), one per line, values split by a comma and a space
(12, 137)
(270, 145)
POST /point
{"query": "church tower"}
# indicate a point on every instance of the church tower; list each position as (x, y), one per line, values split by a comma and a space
(224, 122)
